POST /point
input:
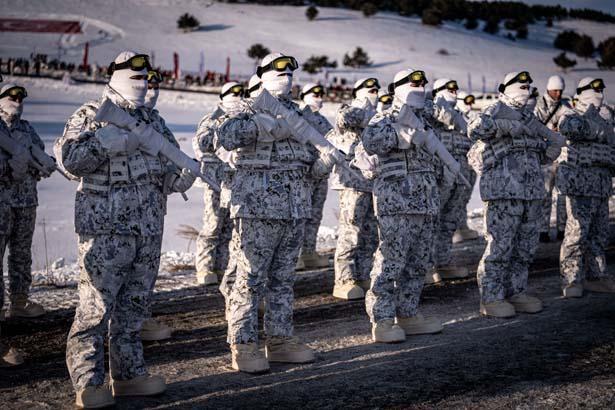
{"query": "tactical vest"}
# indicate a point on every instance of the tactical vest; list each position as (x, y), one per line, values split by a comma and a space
(286, 153)
(135, 169)
(586, 154)
(399, 163)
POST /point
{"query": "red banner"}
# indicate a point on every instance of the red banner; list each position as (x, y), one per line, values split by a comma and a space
(40, 26)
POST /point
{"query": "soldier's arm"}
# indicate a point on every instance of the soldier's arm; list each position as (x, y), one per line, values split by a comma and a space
(451, 117)
(237, 131)
(203, 141)
(483, 128)
(380, 137)
(349, 117)
(81, 152)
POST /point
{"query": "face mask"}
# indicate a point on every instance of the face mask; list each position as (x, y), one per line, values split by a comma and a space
(230, 101)
(277, 83)
(313, 101)
(365, 93)
(151, 97)
(591, 97)
(131, 90)
(517, 94)
(411, 96)
(12, 108)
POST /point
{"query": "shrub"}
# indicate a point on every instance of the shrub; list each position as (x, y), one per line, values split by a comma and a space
(564, 62)
(471, 23)
(369, 9)
(431, 17)
(187, 22)
(492, 26)
(258, 51)
(311, 13)
(606, 49)
(315, 64)
(358, 59)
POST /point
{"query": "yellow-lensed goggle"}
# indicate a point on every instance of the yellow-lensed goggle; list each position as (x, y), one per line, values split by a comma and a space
(279, 64)
(416, 77)
(154, 76)
(317, 90)
(596, 85)
(386, 99)
(469, 99)
(15, 92)
(236, 90)
(135, 63)
(451, 85)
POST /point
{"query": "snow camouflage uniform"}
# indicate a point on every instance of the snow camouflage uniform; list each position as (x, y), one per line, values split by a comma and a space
(358, 229)
(270, 203)
(512, 187)
(119, 216)
(319, 186)
(450, 126)
(585, 177)
(5, 209)
(550, 112)
(22, 199)
(406, 201)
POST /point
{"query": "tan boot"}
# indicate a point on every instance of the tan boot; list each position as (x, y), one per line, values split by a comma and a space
(525, 304)
(22, 307)
(139, 386)
(9, 356)
(602, 285)
(453, 272)
(153, 330)
(206, 278)
(315, 260)
(574, 290)
(464, 234)
(94, 397)
(432, 277)
(418, 325)
(248, 358)
(288, 350)
(348, 291)
(386, 331)
(499, 308)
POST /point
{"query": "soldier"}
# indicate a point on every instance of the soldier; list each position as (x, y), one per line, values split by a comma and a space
(509, 147)
(550, 108)
(584, 176)
(23, 201)
(212, 245)
(270, 203)
(119, 213)
(312, 97)
(451, 128)
(406, 200)
(358, 228)
(385, 100)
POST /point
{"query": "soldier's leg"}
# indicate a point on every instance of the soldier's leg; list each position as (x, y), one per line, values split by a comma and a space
(561, 215)
(525, 247)
(319, 195)
(208, 238)
(104, 261)
(576, 240)
(351, 214)
(368, 242)
(447, 223)
(548, 172)
(502, 218)
(230, 273)
(132, 307)
(226, 232)
(20, 251)
(598, 240)
(258, 239)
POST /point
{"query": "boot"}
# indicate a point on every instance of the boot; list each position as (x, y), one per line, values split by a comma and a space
(574, 290)
(525, 303)
(9, 356)
(288, 350)
(386, 331)
(315, 260)
(453, 272)
(544, 237)
(94, 397)
(418, 325)
(499, 308)
(206, 278)
(432, 277)
(247, 358)
(153, 330)
(348, 291)
(22, 307)
(602, 285)
(560, 235)
(139, 386)
(464, 234)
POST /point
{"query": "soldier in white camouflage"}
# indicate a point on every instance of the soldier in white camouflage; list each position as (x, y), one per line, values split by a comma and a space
(584, 175)
(119, 215)
(450, 125)
(357, 227)
(550, 108)
(270, 204)
(212, 245)
(23, 201)
(312, 96)
(509, 146)
(406, 201)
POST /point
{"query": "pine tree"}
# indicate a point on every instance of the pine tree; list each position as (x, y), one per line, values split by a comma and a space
(564, 62)
(257, 51)
(607, 53)
(187, 22)
(358, 59)
(584, 47)
(311, 13)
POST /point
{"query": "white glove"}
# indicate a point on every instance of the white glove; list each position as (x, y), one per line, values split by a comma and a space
(116, 140)
(513, 128)
(150, 140)
(181, 182)
(271, 129)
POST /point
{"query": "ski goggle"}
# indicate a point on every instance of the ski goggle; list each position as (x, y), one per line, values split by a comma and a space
(451, 86)
(317, 90)
(523, 77)
(15, 92)
(236, 90)
(415, 77)
(596, 85)
(154, 76)
(369, 83)
(386, 99)
(280, 64)
(135, 63)
(468, 99)
(250, 90)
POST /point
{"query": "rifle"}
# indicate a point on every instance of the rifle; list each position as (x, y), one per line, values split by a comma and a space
(37, 158)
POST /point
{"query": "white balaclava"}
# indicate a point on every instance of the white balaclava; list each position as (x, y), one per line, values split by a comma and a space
(151, 98)
(556, 82)
(445, 93)
(12, 108)
(406, 93)
(365, 92)
(461, 105)
(254, 81)
(589, 97)
(230, 100)
(514, 91)
(132, 90)
(310, 99)
(276, 82)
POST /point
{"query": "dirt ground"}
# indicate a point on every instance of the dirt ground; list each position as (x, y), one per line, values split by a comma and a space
(563, 357)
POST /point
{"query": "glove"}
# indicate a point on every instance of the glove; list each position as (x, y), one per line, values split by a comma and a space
(271, 129)
(513, 128)
(116, 140)
(174, 182)
(323, 165)
(406, 137)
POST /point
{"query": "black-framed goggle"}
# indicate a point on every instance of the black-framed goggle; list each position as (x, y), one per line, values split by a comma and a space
(523, 77)
(154, 76)
(317, 90)
(237, 90)
(369, 83)
(280, 64)
(249, 91)
(596, 85)
(15, 92)
(451, 86)
(468, 99)
(415, 77)
(386, 99)
(137, 62)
